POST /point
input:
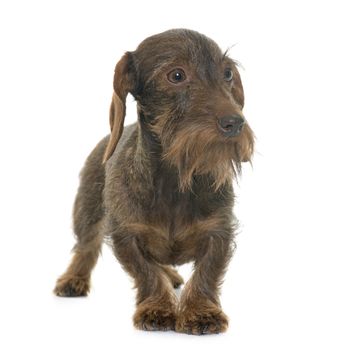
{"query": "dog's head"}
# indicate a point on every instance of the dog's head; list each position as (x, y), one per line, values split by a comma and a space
(190, 100)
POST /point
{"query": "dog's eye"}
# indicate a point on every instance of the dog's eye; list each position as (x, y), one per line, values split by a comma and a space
(228, 74)
(176, 76)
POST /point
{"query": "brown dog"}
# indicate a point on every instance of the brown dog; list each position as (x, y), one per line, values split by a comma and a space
(161, 190)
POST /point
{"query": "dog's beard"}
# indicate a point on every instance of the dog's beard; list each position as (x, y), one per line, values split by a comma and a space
(202, 152)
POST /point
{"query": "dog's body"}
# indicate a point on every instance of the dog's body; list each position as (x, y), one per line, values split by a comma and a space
(161, 190)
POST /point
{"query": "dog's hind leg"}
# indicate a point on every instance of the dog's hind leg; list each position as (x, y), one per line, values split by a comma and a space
(174, 277)
(88, 227)
(76, 280)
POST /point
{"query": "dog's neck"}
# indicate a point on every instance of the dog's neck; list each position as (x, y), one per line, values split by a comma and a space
(149, 162)
(148, 140)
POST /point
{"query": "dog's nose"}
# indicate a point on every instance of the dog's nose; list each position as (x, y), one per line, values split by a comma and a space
(231, 125)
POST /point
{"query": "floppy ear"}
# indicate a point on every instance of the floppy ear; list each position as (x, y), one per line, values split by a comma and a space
(122, 84)
(237, 88)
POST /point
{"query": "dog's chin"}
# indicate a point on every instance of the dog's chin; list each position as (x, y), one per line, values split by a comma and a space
(209, 153)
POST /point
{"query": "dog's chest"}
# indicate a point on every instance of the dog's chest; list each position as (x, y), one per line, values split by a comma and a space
(172, 207)
(175, 210)
(174, 218)
(169, 218)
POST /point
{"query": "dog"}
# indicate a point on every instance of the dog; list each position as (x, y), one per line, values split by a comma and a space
(160, 191)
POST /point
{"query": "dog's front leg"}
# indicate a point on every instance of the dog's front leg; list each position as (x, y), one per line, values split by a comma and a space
(156, 300)
(199, 310)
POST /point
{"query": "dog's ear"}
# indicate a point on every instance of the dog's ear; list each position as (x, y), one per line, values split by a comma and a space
(237, 88)
(123, 83)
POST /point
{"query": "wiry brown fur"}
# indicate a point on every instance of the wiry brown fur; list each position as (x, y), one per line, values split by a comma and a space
(161, 190)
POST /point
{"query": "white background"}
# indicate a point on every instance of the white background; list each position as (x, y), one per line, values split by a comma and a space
(288, 285)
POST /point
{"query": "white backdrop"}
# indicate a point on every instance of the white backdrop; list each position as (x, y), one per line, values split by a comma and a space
(288, 284)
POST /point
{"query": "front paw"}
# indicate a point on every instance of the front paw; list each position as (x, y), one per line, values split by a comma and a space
(155, 316)
(201, 319)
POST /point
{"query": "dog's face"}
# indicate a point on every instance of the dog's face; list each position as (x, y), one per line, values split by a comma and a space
(190, 97)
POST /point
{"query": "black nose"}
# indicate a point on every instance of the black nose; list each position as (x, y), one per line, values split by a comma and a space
(231, 125)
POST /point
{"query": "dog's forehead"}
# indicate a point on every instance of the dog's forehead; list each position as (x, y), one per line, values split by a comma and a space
(178, 46)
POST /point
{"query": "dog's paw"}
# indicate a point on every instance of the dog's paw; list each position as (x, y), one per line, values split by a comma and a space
(178, 282)
(152, 317)
(67, 286)
(202, 321)
(174, 277)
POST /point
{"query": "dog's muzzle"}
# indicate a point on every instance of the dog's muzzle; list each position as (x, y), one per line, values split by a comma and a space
(231, 125)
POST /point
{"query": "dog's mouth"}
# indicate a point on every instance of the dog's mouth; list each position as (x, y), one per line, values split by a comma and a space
(210, 151)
